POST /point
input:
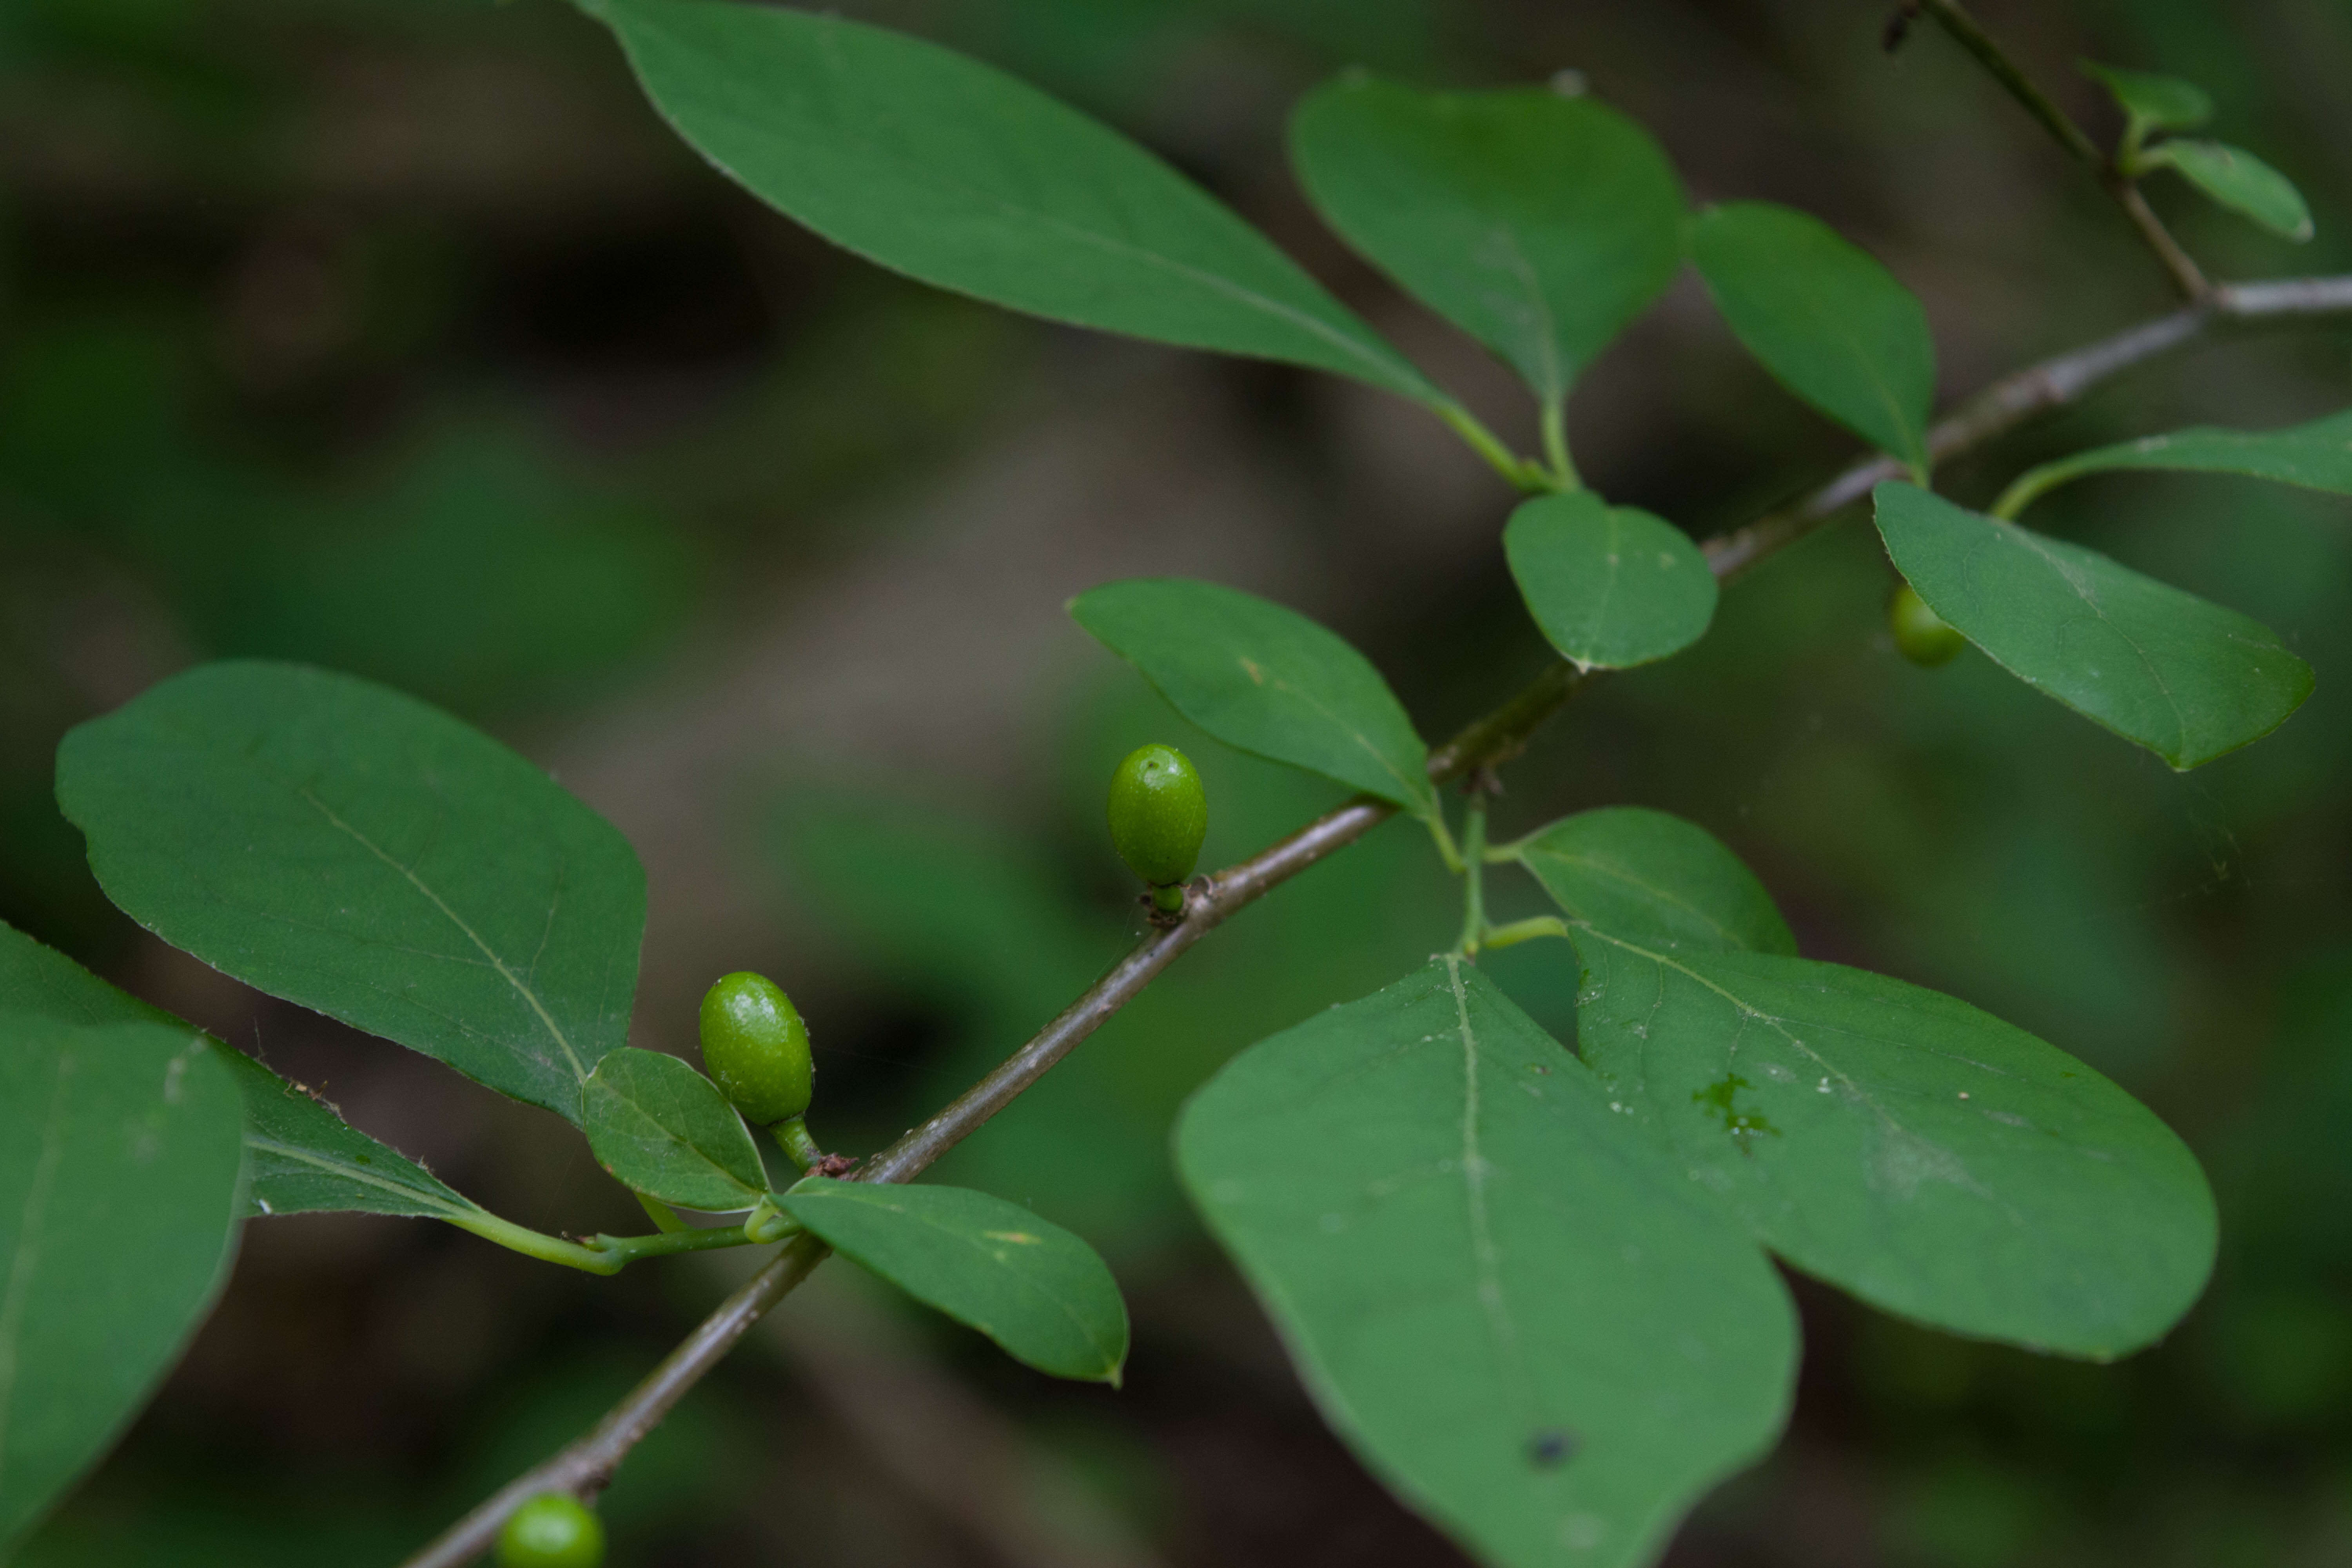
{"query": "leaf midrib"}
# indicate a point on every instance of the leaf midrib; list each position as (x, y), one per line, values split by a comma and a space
(579, 1072)
(442, 1203)
(1485, 1256)
(679, 1139)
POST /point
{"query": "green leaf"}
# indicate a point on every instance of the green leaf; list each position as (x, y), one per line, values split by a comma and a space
(1925, 1156)
(952, 173)
(300, 1155)
(662, 1129)
(2314, 457)
(2187, 679)
(304, 1158)
(2154, 102)
(337, 844)
(2237, 180)
(1515, 1310)
(119, 1177)
(38, 979)
(1537, 224)
(1825, 318)
(1034, 1289)
(1266, 680)
(1612, 587)
(1653, 877)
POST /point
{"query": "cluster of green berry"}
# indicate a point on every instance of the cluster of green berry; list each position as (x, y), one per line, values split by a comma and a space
(756, 1047)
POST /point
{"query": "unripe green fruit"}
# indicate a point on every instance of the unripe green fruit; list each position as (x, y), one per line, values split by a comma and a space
(756, 1047)
(1925, 637)
(554, 1529)
(1158, 814)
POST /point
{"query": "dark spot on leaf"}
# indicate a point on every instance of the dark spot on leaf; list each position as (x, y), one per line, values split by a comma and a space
(1718, 1097)
(1551, 1447)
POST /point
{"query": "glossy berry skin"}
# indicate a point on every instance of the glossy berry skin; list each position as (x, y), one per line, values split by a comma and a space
(1925, 637)
(554, 1529)
(756, 1047)
(1158, 814)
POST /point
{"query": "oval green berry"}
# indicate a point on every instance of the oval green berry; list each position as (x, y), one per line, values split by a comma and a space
(756, 1047)
(1158, 814)
(1925, 637)
(554, 1529)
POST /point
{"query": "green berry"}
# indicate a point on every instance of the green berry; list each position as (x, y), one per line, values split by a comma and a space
(1159, 815)
(756, 1047)
(554, 1529)
(1926, 638)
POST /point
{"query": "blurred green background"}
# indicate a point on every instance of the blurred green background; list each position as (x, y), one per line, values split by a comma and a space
(399, 336)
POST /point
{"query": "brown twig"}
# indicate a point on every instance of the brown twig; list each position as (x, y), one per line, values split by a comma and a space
(585, 1466)
(1970, 34)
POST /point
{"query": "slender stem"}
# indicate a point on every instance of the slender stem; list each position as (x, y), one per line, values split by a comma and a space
(585, 1466)
(1524, 475)
(601, 1254)
(2187, 276)
(795, 1138)
(767, 1222)
(535, 1244)
(1526, 931)
(1970, 34)
(2052, 383)
(1555, 442)
(627, 1249)
(2029, 486)
(1504, 734)
(2258, 302)
(665, 1218)
(1473, 877)
(1211, 901)
(1443, 839)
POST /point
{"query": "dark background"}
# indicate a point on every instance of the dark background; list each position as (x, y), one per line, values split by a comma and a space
(399, 336)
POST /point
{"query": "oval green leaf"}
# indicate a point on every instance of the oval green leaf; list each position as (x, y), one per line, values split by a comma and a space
(1037, 1291)
(1539, 224)
(2185, 678)
(1926, 1156)
(662, 1129)
(2153, 102)
(1513, 1307)
(337, 844)
(120, 1161)
(2236, 179)
(300, 1155)
(1612, 587)
(1266, 680)
(1825, 318)
(1655, 878)
(952, 173)
(2313, 457)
